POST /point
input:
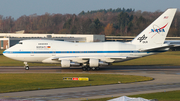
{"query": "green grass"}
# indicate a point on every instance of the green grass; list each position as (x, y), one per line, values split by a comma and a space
(34, 81)
(170, 58)
(1, 51)
(160, 96)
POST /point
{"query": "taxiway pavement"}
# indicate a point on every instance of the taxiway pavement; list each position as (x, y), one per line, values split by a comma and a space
(166, 78)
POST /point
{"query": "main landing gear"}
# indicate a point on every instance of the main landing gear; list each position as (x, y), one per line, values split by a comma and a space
(26, 66)
(87, 68)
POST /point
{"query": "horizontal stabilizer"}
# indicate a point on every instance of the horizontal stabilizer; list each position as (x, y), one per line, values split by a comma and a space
(156, 48)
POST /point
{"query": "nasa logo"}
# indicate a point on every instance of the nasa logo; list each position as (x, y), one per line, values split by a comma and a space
(142, 38)
(159, 29)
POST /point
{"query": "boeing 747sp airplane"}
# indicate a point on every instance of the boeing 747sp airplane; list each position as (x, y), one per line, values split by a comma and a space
(92, 55)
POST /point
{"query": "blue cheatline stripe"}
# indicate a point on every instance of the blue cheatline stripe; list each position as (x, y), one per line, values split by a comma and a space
(46, 52)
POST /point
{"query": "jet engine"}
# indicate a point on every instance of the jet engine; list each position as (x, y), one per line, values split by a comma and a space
(68, 63)
(93, 62)
(65, 63)
(101, 63)
(97, 63)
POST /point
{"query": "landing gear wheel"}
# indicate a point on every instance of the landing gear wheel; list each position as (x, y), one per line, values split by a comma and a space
(88, 68)
(84, 68)
(97, 68)
(26, 67)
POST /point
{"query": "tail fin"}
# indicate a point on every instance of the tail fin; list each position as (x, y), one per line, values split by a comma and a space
(156, 32)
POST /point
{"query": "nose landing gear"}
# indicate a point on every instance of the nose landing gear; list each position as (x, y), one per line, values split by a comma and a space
(26, 66)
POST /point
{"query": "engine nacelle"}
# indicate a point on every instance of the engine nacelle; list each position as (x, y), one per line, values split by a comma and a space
(93, 62)
(68, 63)
(103, 63)
(65, 63)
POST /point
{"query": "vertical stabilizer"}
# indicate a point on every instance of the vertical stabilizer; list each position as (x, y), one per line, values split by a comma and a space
(156, 32)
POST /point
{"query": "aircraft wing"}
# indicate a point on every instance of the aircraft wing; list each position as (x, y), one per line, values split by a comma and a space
(82, 59)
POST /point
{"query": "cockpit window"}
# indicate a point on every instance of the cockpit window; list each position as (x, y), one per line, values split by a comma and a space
(20, 43)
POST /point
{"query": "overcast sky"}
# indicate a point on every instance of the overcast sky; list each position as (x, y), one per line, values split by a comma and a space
(17, 8)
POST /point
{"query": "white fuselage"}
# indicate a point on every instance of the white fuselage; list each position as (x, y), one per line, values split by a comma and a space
(45, 50)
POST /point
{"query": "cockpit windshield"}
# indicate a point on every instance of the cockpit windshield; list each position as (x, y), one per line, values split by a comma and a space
(20, 42)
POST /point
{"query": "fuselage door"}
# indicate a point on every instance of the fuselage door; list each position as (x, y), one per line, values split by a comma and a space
(52, 49)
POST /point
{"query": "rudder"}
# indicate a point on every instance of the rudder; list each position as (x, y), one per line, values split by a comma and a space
(157, 31)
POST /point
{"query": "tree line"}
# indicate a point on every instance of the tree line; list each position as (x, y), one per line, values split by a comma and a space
(121, 22)
(108, 10)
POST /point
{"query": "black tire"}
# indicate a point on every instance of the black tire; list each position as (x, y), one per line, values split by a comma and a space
(88, 68)
(84, 68)
(26, 67)
(93, 69)
(97, 68)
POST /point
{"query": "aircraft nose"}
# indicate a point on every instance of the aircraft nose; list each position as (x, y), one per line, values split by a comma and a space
(5, 53)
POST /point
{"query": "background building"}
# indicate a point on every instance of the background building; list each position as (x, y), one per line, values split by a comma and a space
(4, 43)
(10, 39)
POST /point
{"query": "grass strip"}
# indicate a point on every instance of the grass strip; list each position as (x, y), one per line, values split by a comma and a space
(33, 81)
(160, 96)
(1, 52)
(170, 58)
